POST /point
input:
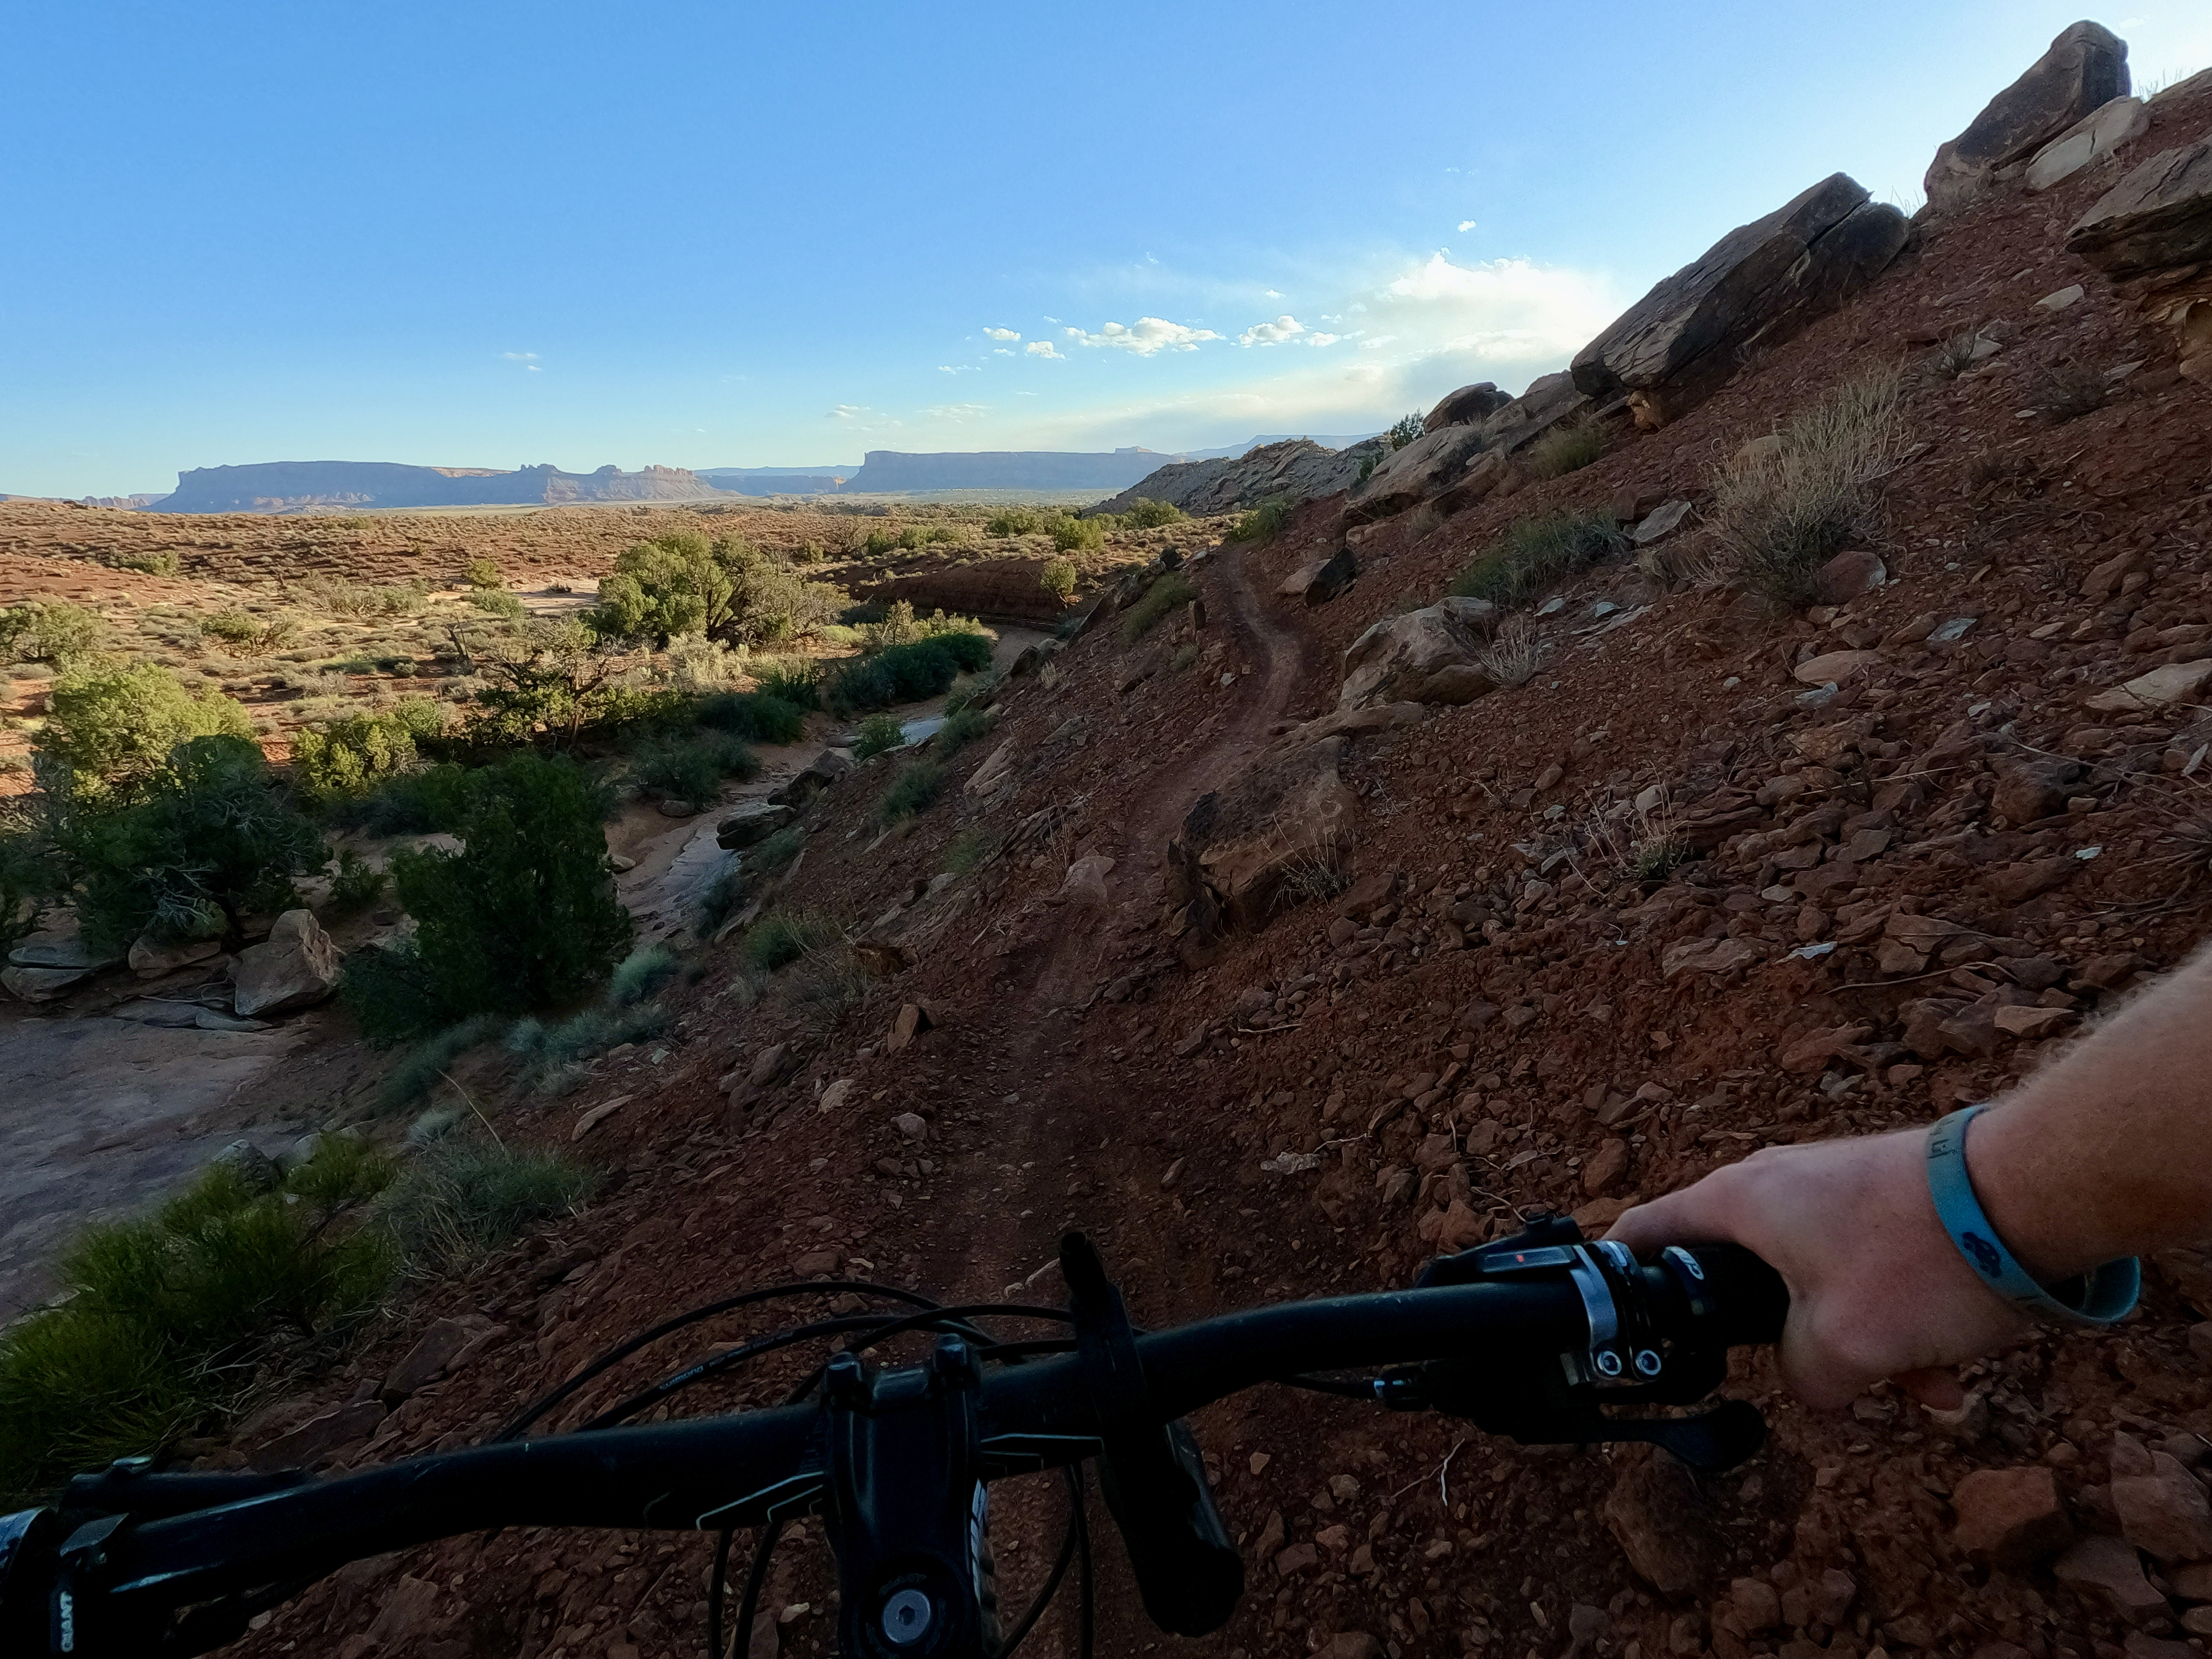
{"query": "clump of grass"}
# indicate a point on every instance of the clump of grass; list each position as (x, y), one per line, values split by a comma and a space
(692, 769)
(551, 1054)
(2067, 391)
(1186, 654)
(1264, 522)
(169, 1318)
(968, 851)
(1537, 552)
(960, 729)
(641, 973)
(357, 885)
(913, 792)
(1167, 593)
(351, 599)
(1953, 356)
(1567, 447)
(424, 1066)
(754, 715)
(796, 681)
(460, 1199)
(1512, 657)
(1782, 514)
(782, 937)
(721, 900)
(777, 850)
(879, 734)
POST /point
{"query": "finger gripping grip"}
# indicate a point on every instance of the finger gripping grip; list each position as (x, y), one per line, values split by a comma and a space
(1750, 1301)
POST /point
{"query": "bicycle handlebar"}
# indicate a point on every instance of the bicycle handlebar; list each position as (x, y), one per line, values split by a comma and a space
(1535, 1337)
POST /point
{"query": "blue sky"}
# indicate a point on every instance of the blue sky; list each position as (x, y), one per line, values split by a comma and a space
(474, 233)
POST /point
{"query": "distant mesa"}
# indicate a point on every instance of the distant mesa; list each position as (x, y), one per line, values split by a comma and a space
(302, 486)
(778, 480)
(889, 471)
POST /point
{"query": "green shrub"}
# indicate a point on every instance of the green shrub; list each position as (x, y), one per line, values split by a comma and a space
(1537, 552)
(424, 1066)
(753, 715)
(878, 735)
(49, 630)
(1146, 514)
(1014, 521)
(357, 885)
(795, 681)
(1568, 447)
(345, 758)
(523, 916)
(459, 1200)
(1167, 593)
(242, 634)
(692, 769)
(907, 673)
(1264, 522)
(498, 602)
(27, 875)
(164, 564)
(726, 590)
(961, 728)
(777, 850)
(206, 840)
(781, 937)
(427, 802)
(913, 792)
(350, 598)
(1072, 535)
(1058, 578)
(113, 725)
(552, 1056)
(482, 573)
(168, 1317)
(1405, 429)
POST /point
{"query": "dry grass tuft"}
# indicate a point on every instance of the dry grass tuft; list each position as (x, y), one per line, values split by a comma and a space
(1513, 657)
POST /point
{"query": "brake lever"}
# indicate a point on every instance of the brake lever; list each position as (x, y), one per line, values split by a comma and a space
(1630, 1355)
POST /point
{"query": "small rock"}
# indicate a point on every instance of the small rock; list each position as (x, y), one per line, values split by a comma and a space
(1350, 1644)
(912, 1125)
(1848, 575)
(2061, 300)
(318, 1437)
(1607, 1165)
(2177, 682)
(2010, 1518)
(2162, 1509)
(447, 1346)
(1835, 667)
(913, 1019)
(2105, 1569)
(1300, 1557)
(151, 960)
(835, 1096)
(1660, 1518)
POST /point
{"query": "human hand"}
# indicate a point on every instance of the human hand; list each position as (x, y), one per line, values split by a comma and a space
(1876, 1287)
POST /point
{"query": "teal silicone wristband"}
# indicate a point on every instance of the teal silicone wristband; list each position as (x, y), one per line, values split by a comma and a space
(2101, 1297)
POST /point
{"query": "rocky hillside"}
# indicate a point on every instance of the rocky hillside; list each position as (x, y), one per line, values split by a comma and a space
(1297, 469)
(1300, 934)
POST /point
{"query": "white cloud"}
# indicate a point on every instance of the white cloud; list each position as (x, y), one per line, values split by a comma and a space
(519, 356)
(1000, 351)
(1002, 334)
(1150, 335)
(1467, 224)
(1270, 294)
(1043, 348)
(958, 368)
(1283, 329)
(957, 413)
(1322, 339)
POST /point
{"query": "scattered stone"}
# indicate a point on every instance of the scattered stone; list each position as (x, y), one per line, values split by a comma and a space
(318, 1437)
(2086, 68)
(2016, 883)
(1848, 575)
(824, 769)
(2096, 136)
(296, 967)
(2010, 1518)
(912, 1020)
(912, 1125)
(2062, 298)
(2177, 682)
(1663, 1522)
(2105, 1569)
(1707, 955)
(447, 1346)
(1323, 580)
(1835, 667)
(598, 1114)
(1468, 406)
(150, 961)
(2162, 1509)
(1658, 525)
(2160, 215)
(751, 825)
(1424, 656)
(1085, 883)
(41, 984)
(1605, 1166)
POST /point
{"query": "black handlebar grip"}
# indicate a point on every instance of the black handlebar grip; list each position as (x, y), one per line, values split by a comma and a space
(1750, 1302)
